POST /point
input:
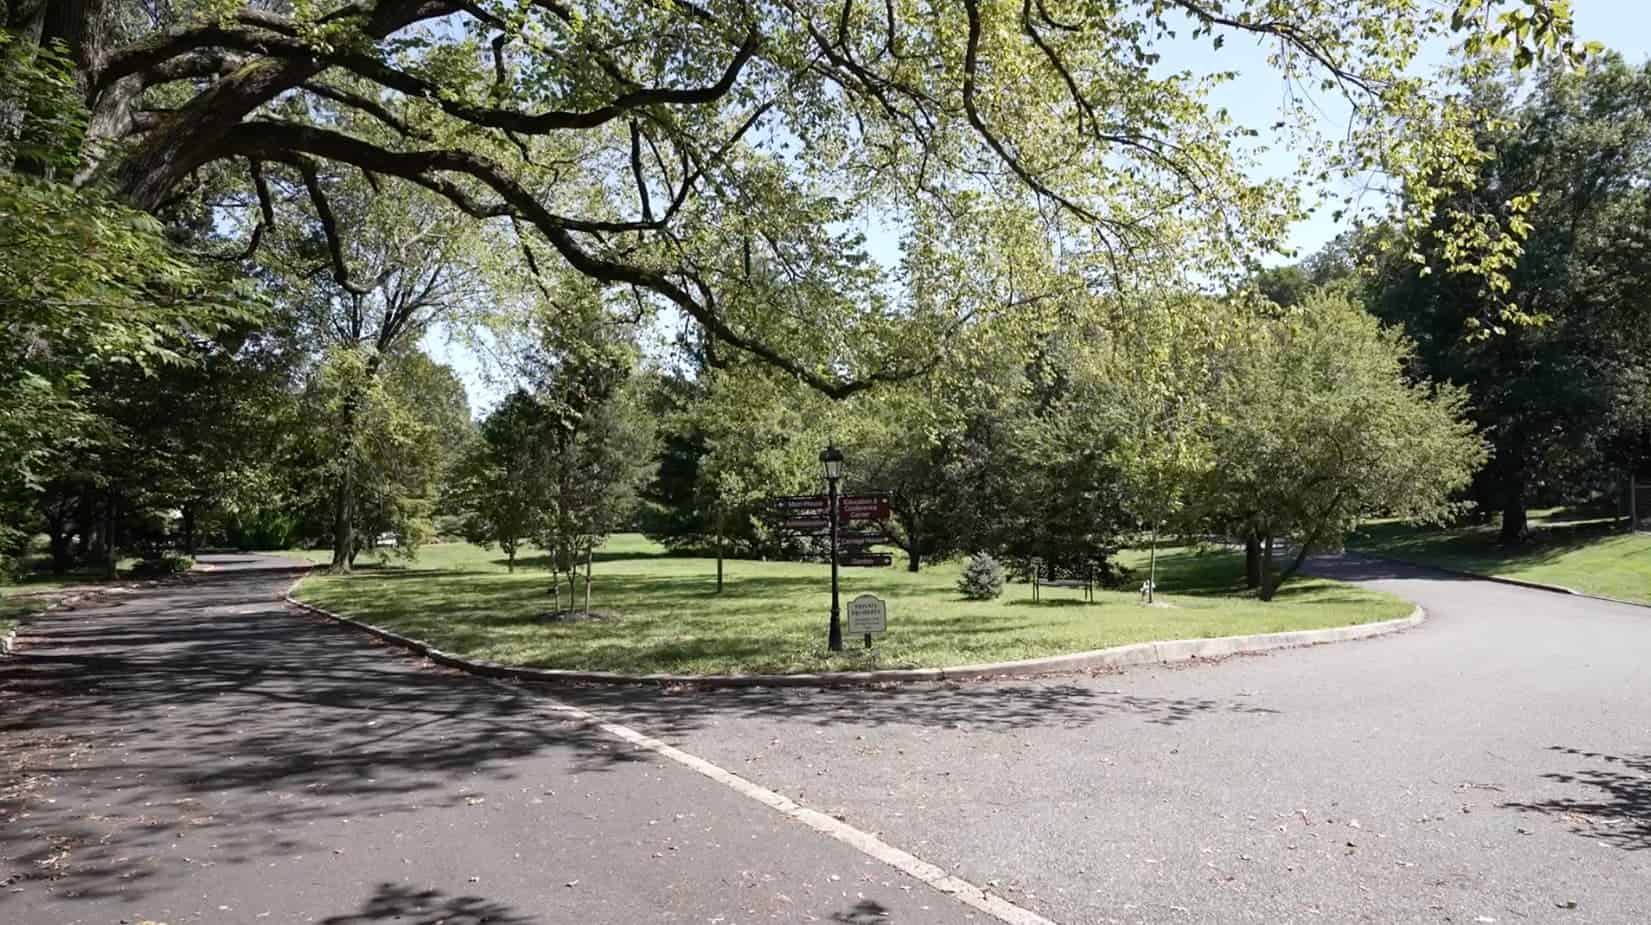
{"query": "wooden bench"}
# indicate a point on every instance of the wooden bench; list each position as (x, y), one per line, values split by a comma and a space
(1039, 581)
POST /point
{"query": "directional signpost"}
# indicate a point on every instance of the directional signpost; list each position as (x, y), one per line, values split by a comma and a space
(850, 524)
(859, 523)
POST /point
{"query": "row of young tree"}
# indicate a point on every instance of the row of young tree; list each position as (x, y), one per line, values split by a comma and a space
(1115, 425)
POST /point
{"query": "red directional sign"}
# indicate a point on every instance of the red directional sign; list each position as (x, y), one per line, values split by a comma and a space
(864, 507)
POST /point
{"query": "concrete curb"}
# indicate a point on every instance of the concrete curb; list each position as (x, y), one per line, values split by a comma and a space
(8, 643)
(1140, 653)
(1502, 580)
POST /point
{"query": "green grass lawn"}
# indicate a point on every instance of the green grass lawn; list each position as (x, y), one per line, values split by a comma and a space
(772, 616)
(1592, 555)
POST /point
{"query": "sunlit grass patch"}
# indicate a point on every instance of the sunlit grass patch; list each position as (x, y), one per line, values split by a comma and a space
(772, 616)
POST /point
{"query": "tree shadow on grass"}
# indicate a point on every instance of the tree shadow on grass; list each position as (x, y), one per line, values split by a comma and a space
(541, 562)
(404, 905)
(139, 716)
(1614, 805)
(1480, 548)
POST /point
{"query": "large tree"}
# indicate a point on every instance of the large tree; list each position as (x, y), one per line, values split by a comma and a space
(1559, 400)
(410, 264)
(1315, 425)
(696, 152)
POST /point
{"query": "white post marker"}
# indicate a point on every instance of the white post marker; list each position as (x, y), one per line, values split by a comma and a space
(868, 614)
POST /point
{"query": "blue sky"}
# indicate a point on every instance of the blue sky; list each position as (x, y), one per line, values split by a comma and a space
(1253, 99)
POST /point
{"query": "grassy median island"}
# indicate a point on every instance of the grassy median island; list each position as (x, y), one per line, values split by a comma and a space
(772, 615)
(1592, 555)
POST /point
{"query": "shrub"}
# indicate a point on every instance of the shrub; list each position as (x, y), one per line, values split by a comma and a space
(161, 566)
(982, 578)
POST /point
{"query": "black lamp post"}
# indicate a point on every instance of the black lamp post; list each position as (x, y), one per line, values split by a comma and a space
(832, 459)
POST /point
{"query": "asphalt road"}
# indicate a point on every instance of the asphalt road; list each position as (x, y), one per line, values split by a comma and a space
(194, 753)
(1492, 765)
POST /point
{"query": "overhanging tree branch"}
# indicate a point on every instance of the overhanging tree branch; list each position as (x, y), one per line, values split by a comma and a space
(282, 141)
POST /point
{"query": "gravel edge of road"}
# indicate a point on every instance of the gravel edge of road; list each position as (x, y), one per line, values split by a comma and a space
(1139, 653)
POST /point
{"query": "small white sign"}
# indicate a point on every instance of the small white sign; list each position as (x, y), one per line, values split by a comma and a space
(867, 614)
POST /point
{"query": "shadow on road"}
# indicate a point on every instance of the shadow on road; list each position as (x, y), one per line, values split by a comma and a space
(1355, 567)
(1615, 806)
(865, 912)
(972, 706)
(206, 709)
(404, 905)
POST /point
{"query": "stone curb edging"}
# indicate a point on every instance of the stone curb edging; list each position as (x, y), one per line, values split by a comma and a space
(1140, 653)
(8, 642)
(1503, 580)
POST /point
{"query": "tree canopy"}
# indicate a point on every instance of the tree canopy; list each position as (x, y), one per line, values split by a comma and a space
(713, 156)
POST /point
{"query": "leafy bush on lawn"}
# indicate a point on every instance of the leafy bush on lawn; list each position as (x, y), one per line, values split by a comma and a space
(161, 566)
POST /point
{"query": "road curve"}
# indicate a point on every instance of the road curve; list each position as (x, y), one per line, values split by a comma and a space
(1491, 765)
(196, 753)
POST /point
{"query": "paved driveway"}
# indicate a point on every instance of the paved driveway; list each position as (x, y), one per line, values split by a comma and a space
(1492, 765)
(197, 754)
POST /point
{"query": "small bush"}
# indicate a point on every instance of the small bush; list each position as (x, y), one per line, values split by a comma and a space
(161, 566)
(982, 578)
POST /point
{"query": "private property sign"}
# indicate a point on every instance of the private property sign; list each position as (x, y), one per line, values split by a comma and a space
(867, 614)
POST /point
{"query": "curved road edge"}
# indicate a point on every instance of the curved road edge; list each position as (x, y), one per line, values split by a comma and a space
(1505, 580)
(1140, 653)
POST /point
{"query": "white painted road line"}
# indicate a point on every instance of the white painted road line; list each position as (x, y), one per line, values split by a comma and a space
(866, 843)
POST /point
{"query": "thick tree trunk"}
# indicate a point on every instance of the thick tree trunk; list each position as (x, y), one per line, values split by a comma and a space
(1152, 567)
(1515, 521)
(111, 556)
(913, 544)
(149, 171)
(1252, 560)
(62, 553)
(343, 521)
(720, 553)
(189, 530)
(25, 20)
(85, 524)
(344, 502)
(510, 559)
(1269, 584)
